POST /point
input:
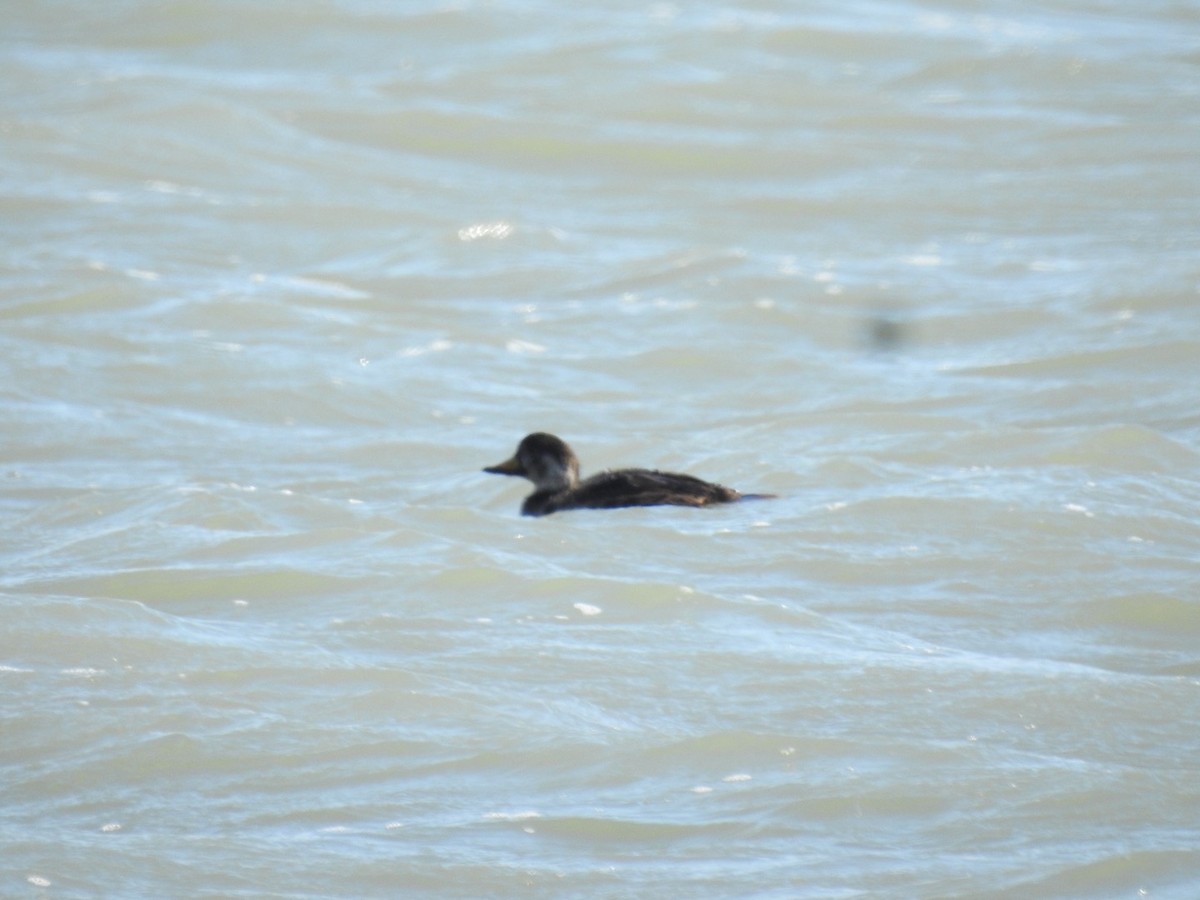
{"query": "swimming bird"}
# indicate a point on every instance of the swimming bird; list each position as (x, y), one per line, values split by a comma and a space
(552, 466)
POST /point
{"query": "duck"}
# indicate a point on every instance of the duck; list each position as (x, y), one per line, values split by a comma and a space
(550, 463)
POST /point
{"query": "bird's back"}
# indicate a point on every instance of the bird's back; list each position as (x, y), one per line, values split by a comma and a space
(644, 487)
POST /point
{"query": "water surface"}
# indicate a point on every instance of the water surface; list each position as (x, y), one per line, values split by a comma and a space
(278, 280)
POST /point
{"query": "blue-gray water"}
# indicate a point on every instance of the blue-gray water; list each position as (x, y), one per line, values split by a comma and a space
(278, 279)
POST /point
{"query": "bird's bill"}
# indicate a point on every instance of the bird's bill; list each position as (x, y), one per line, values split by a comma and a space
(508, 467)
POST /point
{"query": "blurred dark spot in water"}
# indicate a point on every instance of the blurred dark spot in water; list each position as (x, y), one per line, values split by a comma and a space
(884, 333)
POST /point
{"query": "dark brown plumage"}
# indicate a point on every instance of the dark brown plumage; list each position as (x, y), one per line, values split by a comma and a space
(551, 465)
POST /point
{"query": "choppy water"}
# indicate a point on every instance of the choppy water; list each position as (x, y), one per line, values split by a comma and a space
(277, 280)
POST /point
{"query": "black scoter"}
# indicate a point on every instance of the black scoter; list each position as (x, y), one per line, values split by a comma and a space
(551, 465)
